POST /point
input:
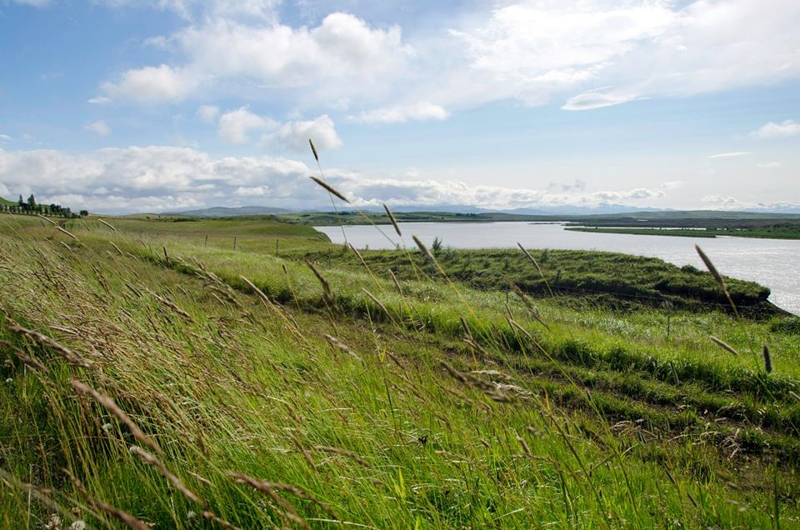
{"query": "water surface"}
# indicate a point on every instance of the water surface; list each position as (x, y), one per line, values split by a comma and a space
(774, 263)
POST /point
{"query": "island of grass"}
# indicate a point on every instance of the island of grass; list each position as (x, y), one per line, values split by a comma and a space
(155, 374)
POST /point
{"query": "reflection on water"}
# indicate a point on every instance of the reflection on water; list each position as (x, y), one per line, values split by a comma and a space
(774, 263)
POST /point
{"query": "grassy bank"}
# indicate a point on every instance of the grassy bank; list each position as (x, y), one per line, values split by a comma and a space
(342, 394)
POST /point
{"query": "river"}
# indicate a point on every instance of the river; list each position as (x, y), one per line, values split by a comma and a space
(774, 263)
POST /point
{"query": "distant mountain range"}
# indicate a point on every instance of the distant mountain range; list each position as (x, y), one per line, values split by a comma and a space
(610, 209)
(222, 211)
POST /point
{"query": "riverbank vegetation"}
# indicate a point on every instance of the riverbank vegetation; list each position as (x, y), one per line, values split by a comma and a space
(198, 374)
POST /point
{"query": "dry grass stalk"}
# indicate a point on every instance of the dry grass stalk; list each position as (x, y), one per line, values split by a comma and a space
(375, 299)
(343, 452)
(531, 258)
(326, 287)
(67, 354)
(47, 219)
(272, 489)
(327, 294)
(124, 517)
(717, 277)
(396, 283)
(291, 325)
(724, 345)
(424, 249)
(393, 220)
(330, 189)
(222, 522)
(767, 359)
(172, 305)
(313, 150)
(70, 234)
(153, 461)
(30, 362)
(524, 445)
(533, 310)
(108, 225)
(360, 257)
(117, 248)
(107, 402)
(297, 443)
(342, 346)
(465, 327)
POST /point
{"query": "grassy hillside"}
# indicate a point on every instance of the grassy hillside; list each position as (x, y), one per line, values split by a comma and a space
(4, 202)
(153, 376)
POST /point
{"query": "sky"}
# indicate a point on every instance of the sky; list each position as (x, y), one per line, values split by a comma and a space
(121, 106)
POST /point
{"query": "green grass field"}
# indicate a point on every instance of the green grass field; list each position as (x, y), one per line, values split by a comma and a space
(159, 376)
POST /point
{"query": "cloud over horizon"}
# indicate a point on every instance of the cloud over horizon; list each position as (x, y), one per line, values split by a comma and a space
(158, 178)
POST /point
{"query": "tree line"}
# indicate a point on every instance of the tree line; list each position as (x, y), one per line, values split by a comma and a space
(31, 207)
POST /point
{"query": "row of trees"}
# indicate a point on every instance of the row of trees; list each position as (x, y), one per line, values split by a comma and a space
(32, 208)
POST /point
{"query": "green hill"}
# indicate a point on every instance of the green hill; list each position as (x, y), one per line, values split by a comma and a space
(157, 374)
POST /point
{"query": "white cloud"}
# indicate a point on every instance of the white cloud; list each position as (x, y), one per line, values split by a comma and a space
(152, 84)
(158, 178)
(340, 58)
(5, 138)
(723, 202)
(597, 100)
(529, 50)
(672, 185)
(295, 134)
(235, 125)
(778, 130)
(732, 154)
(532, 50)
(401, 114)
(208, 113)
(98, 127)
(99, 100)
(769, 165)
(151, 178)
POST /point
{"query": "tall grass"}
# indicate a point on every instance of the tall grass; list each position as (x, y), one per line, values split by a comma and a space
(211, 387)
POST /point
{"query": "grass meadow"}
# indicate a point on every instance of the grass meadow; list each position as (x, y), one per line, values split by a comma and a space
(246, 373)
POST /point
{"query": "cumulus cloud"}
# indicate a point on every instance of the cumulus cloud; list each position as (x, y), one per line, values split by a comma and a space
(98, 127)
(341, 58)
(208, 113)
(150, 178)
(778, 130)
(417, 112)
(235, 125)
(156, 84)
(732, 154)
(597, 100)
(723, 202)
(158, 178)
(533, 51)
(295, 134)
